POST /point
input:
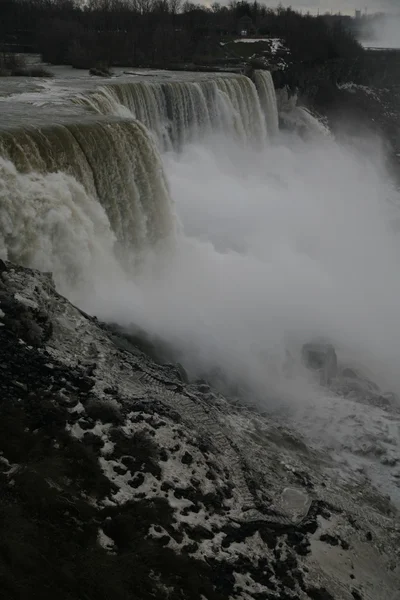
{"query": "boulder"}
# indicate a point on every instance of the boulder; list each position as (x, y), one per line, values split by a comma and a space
(321, 357)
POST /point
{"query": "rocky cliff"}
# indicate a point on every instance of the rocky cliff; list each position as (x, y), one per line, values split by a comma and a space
(120, 479)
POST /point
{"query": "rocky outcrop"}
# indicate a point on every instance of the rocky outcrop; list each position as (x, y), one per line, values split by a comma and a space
(322, 358)
(120, 479)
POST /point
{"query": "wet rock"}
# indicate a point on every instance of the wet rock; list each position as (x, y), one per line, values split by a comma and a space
(86, 446)
(329, 539)
(187, 458)
(321, 357)
(350, 373)
(319, 594)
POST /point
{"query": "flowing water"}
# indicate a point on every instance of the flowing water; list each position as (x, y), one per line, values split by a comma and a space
(174, 202)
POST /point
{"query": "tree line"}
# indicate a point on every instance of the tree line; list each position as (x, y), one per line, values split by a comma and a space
(160, 33)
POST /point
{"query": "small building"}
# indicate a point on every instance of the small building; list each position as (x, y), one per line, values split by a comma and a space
(245, 26)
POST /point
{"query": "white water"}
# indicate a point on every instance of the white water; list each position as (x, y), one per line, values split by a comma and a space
(273, 245)
(382, 32)
(117, 168)
(266, 91)
(276, 248)
(183, 111)
(49, 222)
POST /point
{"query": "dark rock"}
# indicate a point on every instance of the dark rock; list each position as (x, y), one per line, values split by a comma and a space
(93, 440)
(55, 495)
(137, 481)
(350, 373)
(321, 357)
(86, 424)
(182, 373)
(319, 594)
(329, 539)
(100, 72)
(163, 455)
(187, 458)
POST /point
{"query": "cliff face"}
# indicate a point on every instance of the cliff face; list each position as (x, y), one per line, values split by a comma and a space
(357, 101)
(121, 480)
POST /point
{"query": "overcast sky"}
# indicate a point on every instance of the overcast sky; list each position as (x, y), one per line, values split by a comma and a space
(345, 6)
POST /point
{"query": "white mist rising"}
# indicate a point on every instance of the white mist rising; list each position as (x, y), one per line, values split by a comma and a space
(275, 248)
(382, 32)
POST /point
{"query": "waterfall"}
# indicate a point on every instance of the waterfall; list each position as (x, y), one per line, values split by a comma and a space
(48, 221)
(184, 111)
(298, 118)
(301, 120)
(114, 163)
(92, 189)
(266, 91)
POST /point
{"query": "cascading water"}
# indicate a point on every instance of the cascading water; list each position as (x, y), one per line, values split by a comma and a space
(113, 158)
(298, 118)
(272, 244)
(116, 162)
(184, 111)
(48, 221)
(248, 210)
(266, 91)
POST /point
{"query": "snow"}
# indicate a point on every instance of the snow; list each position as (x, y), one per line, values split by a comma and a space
(25, 301)
(2, 314)
(105, 541)
(250, 40)
(354, 87)
(75, 430)
(78, 409)
(275, 43)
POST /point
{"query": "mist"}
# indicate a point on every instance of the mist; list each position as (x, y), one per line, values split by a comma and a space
(274, 249)
(270, 249)
(382, 32)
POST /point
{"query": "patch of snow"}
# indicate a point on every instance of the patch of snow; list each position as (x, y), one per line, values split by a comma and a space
(108, 448)
(75, 430)
(251, 40)
(150, 486)
(25, 301)
(78, 409)
(104, 541)
(101, 429)
(5, 461)
(248, 585)
(2, 314)
(275, 44)
(354, 87)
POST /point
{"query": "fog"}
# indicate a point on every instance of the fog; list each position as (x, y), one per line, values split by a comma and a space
(272, 248)
(382, 32)
(275, 248)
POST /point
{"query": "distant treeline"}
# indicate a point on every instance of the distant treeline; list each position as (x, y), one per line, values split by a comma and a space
(162, 32)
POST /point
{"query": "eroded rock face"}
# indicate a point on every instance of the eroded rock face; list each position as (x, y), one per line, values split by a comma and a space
(321, 357)
(119, 479)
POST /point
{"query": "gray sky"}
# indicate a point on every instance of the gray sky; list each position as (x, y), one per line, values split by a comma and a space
(345, 6)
